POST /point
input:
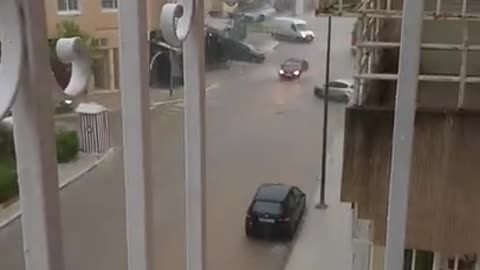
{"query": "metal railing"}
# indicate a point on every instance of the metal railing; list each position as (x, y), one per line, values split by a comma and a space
(26, 84)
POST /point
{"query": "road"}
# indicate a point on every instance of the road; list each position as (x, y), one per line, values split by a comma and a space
(258, 130)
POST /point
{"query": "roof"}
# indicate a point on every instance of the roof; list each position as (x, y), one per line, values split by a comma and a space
(272, 192)
(345, 81)
(90, 108)
(291, 19)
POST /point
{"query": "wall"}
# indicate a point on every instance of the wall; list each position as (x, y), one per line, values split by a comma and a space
(434, 94)
(444, 179)
(100, 24)
(91, 19)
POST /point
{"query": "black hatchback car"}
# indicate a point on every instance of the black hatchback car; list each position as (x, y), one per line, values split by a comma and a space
(292, 68)
(275, 212)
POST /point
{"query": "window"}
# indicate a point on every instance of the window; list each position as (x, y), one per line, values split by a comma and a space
(267, 207)
(338, 85)
(291, 201)
(297, 193)
(418, 260)
(301, 27)
(110, 4)
(69, 6)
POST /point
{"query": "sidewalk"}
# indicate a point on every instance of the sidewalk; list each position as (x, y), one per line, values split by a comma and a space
(111, 98)
(67, 174)
(325, 239)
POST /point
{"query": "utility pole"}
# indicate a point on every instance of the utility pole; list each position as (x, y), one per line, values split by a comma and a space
(172, 71)
(323, 176)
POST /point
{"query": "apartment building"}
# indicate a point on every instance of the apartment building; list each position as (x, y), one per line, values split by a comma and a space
(442, 227)
(99, 18)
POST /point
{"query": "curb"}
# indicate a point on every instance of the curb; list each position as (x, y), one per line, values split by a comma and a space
(65, 116)
(69, 181)
(72, 179)
(165, 102)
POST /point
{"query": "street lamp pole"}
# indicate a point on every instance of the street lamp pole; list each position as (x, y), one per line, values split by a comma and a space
(172, 67)
(322, 203)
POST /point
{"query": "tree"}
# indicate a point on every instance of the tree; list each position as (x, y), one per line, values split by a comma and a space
(68, 29)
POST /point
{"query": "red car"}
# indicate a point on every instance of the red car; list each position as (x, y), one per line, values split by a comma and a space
(292, 68)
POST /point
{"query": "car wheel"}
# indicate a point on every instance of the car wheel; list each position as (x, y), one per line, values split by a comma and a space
(291, 233)
(248, 231)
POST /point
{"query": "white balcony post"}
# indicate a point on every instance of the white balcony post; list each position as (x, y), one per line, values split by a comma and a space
(134, 81)
(437, 261)
(194, 93)
(403, 130)
(35, 147)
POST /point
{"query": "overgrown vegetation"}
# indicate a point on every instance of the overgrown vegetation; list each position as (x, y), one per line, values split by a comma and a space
(8, 183)
(67, 150)
(67, 146)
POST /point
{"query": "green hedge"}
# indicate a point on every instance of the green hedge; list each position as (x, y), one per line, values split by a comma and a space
(8, 183)
(67, 150)
(7, 148)
(67, 146)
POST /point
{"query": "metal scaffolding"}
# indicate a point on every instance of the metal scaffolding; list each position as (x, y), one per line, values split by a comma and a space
(372, 15)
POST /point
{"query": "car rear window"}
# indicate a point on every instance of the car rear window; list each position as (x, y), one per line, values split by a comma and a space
(265, 207)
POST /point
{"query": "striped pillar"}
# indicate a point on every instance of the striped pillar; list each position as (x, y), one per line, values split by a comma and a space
(94, 132)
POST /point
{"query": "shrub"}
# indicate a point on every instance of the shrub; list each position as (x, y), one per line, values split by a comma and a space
(8, 183)
(7, 147)
(64, 107)
(67, 146)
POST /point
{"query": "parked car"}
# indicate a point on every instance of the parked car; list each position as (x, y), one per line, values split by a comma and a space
(241, 51)
(292, 68)
(275, 212)
(290, 28)
(338, 90)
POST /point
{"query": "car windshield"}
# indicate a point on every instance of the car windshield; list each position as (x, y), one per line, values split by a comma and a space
(292, 65)
(266, 207)
(251, 48)
(301, 26)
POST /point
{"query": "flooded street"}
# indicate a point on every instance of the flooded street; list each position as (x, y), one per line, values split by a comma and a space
(259, 130)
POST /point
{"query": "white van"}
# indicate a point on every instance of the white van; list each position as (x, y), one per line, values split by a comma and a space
(291, 28)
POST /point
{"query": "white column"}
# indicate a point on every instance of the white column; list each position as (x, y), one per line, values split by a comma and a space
(299, 6)
(455, 263)
(437, 261)
(194, 93)
(413, 259)
(477, 263)
(35, 148)
(111, 69)
(403, 130)
(136, 132)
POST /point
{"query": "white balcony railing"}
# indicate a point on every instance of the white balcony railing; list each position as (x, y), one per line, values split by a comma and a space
(25, 88)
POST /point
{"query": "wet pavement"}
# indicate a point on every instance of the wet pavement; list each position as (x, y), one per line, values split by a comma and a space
(259, 129)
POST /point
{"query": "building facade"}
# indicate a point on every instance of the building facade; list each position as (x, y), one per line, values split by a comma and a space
(441, 230)
(99, 18)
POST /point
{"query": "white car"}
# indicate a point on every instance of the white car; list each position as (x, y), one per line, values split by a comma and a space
(338, 90)
(290, 28)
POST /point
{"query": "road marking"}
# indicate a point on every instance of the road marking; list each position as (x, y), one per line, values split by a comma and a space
(213, 86)
(164, 102)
